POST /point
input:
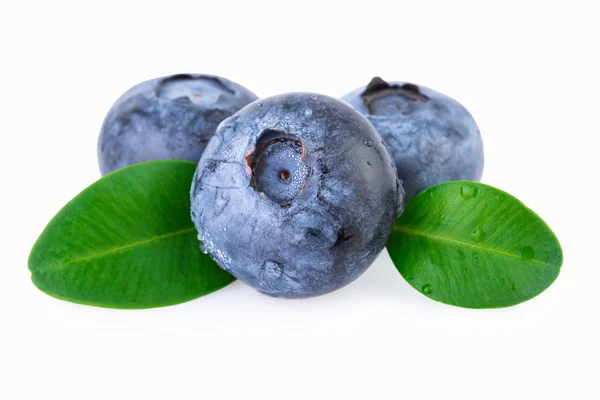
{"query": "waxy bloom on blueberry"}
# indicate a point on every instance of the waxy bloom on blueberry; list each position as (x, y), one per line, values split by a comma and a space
(432, 138)
(295, 195)
(167, 118)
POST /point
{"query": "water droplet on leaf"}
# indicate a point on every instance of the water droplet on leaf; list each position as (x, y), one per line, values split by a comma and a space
(468, 192)
(527, 253)
(427, 289)
(477, 234)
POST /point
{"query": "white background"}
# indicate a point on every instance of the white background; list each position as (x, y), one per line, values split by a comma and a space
(528, 72)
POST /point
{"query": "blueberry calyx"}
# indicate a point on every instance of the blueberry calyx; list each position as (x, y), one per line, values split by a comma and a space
(177, 87)
(378, 89)
(277, 167)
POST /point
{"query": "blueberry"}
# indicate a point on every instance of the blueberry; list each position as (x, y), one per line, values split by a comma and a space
(432, 138)
(171, 117)
(295, 195)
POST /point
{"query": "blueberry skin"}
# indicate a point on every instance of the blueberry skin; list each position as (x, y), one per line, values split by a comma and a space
(432, 138)
(172, 117)
(295, 195)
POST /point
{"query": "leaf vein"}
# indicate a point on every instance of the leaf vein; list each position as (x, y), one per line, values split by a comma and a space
(440, 238)
(128, 246)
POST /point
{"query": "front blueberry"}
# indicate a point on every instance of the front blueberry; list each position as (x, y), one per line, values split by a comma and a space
(432, 138)
(295, 195)
(167, 118)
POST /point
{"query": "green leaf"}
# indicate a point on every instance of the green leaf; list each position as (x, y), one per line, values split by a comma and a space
(471, 245)
(127, 241)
